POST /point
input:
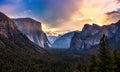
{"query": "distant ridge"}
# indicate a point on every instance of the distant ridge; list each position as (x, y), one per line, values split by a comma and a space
(90, 36)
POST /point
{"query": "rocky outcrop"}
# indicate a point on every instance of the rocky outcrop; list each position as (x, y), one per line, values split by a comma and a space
(33, 30)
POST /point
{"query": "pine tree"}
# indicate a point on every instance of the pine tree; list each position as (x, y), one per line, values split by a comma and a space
(94, 64)
(106, 56)
(117, 60)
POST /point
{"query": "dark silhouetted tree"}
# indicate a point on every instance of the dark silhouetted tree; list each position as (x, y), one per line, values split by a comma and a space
(106, 56)
(117, 60)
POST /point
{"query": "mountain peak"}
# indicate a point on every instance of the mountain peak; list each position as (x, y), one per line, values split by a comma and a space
(118, 22)
(31, 23)
(87, 26)
(96, 26)
(26, 18)
(3, 16)
(7, 26)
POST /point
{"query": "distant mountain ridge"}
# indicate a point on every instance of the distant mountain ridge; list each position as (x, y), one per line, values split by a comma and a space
(52, 38)
(63, 41)
(33, 30)
(90, 36)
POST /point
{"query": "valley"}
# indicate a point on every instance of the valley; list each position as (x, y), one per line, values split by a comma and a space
(24, 47)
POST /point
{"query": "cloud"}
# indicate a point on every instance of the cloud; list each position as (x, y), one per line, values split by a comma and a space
(70, 15)
(61, 16)
(14, 9)
(113, 16)
(95, 11)
(58, 11)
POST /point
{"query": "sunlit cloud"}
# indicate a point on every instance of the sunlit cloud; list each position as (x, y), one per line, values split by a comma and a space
(94, 11)
(61, 16)
(86, 11)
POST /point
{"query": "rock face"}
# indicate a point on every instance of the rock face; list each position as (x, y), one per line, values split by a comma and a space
(9, 30)
(63, 41)
(7, 27)
(32, 29)
(90, 36)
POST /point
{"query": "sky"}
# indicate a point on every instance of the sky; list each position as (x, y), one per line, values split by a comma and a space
(62, 16)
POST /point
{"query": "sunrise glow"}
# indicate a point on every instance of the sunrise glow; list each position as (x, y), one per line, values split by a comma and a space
(61, 16)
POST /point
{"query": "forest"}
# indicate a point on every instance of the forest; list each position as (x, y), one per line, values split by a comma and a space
(104, 59)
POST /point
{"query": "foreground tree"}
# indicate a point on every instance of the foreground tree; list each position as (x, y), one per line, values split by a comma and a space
(94, 64)
(117, 60)
(106, 56)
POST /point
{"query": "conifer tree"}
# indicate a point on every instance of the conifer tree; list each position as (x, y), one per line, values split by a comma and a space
(94, 64)
(106, 56)
(117, 60)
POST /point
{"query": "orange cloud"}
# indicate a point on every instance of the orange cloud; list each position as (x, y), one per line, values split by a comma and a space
(94, 11)
(88, 11)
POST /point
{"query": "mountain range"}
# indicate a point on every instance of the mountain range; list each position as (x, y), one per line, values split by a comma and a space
(23, 43)
(26, 31)
(89, 37)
